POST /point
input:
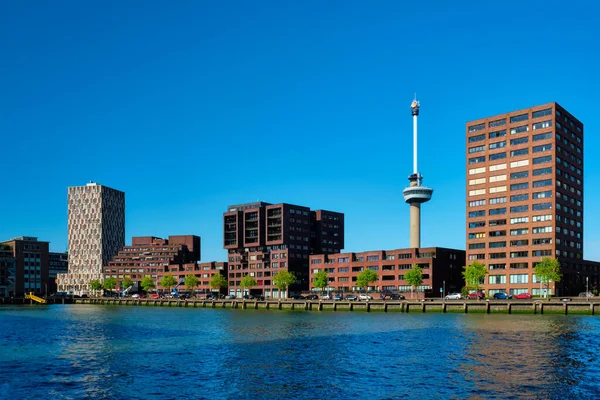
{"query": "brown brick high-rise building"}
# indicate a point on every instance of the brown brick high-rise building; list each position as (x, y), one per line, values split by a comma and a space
(525, 198)
(263, 239)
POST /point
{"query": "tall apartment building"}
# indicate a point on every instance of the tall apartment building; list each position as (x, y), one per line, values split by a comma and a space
(525, 198)
(96, 224)
(30, 264)
(58, 263)
(262, 239)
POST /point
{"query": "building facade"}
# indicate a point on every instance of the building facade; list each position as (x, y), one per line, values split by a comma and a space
(442, 270)
(96, 229)
(7, 271)
(58, 263)
(30, 265)
(525, 195)
(262, 239)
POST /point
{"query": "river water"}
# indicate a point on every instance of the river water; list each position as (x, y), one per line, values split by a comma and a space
(117, 352)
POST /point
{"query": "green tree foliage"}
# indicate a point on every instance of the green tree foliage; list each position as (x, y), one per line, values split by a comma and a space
(283, 279)
(248, 282)
(168, 281)
(548, 270)
(321, 280)
(365, 278)
(218, 282)
(148, 283)
(474, 274)
(110, 283)
(191, 281)
(126, 283)
(414, 277)
(96, 285)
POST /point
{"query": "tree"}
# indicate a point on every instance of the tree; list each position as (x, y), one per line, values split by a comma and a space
(218, 282)
(548, 270)
(365, 278)
(414, 277)
(95, 284)
(247, 282)
(321, 280)
(110, 283)
(283, 280)
(474, 274)
(168, 281)
(127, 282)
(148, 283)
(191, 281)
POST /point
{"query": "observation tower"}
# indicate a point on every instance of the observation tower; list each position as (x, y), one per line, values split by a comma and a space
(415, 194)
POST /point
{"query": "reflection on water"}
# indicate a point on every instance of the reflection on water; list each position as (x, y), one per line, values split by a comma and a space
(137, 352)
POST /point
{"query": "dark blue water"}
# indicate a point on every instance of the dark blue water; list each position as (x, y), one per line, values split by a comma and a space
(87, 351)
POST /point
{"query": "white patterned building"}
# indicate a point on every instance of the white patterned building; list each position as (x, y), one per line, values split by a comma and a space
(96, 233)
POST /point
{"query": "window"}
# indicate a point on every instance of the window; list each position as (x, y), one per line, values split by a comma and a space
(520, 197)
(495, 245)
(541, 125)
(477, 181)
(519, 175)
(476, 149)
(542, 195)
(498, 122)
(521, 265)
(372, 258)
(518, 243)
(542, 171)
(479, 224)
(542, 229)
(476, 192)
(519, 186)
(497, 222)
(497, 233)
(519, 254)
(544, 147)
(518, 232)
(498, 178)
(543, 113)
(519, 220)
(544, 182)
(478, 235)
(497, 266)
(519, 278)
(480, 213)
(516, 142)
(475, 128)
(519, 152)
(498, 145)
(542, 136)
(497, 156)
(540, 160)
(477, 203)
(518, 118)
(519, 129)
(537, 242)
(497, 167)
(474, 246)
(474, 171)
(497, 211)
(476, 160)
(494, 256)
(497, 189)
(497, 279)
(498, 200)
(521, 163)
(518, 209)
(542, 206)
(544, 217)
(497, 134)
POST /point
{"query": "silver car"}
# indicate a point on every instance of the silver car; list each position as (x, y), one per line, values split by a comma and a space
(454, 296)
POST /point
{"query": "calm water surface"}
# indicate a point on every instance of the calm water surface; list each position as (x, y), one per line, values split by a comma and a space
(89, 351)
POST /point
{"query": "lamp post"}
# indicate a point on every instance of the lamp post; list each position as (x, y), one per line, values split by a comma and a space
(586, 289)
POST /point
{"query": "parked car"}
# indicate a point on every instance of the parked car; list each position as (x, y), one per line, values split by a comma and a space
(248, 297)
(476, 295)
(337, 296)
(392, 296)
(326, 297)
(298, 297)
(396, 296)
(312, 296)
(155, 296)
(454, 296)
(364, 296)
(586, 294)
(351, 297)
(135, 296)
(523, 296)
(230, 296)
(259, 297)
(502, 295)
(212, 296)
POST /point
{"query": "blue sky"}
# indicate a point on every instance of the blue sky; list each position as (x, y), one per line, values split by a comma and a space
(190, 106)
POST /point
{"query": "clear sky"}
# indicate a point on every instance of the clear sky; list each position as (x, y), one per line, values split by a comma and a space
(190, 106)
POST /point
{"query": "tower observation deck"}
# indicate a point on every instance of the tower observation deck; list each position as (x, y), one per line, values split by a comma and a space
(415, 194)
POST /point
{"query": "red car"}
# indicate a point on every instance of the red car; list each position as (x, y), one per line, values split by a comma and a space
(477, 295)
(523, 296)
(155, 296)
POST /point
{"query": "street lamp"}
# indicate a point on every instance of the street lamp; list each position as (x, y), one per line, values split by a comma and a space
(586, 289)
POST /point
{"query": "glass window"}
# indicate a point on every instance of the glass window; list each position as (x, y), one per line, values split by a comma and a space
(543, 113)
(519, 186)
(498, 122)
(542, 206)
(498, 145)
(541, 125)
(476, 160)
(544, 182)
(520, 152)
(520, 117)
(519, 197)
(497, 156)
(519, 129)
(519, 175)
(497, 211)
(475, 128)
(515, 142)
(542, 171)
(542, 136)
(540, 160)
(544, 147)
(497, 134)
(476, 149)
